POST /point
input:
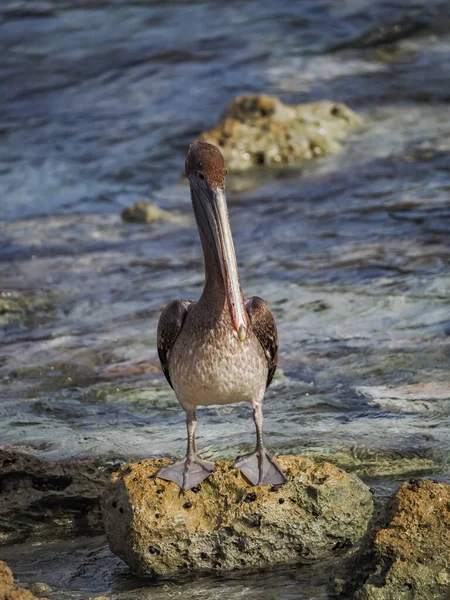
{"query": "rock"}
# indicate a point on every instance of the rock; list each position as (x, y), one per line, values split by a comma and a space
(260, 130)
(19, 306)
(225, 523)
(48, 498)
(40, 589)
(145, 211)
(412, 552)
(8, 589)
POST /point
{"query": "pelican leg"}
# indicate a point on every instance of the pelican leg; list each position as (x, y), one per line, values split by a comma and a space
(192, 470)
(259, 467)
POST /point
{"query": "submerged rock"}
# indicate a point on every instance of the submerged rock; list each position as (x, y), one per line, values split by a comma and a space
(412, 397)
(260, 130)
(19, 306)
(8, 589)
(225, 523)
(145, 211)
(380, 35)
(48, 498)
(373, 462)
(412, 552)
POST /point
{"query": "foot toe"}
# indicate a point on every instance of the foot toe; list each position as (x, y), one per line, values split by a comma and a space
(207, 465)
(187, 473)
(262, 471)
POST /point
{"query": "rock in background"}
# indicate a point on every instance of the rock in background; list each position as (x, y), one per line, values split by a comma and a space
(145, 211)
(260, 130)
(225, 523)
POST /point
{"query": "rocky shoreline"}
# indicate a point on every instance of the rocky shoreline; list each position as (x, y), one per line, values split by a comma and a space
(401, 551)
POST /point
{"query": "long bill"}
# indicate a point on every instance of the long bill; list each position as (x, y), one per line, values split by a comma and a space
(228, 263)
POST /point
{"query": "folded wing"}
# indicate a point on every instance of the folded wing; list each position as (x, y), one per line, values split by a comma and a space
(263, 325)
(169, 326)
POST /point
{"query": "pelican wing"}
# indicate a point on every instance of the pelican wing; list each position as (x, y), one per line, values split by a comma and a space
(263, 325)
(169, 326)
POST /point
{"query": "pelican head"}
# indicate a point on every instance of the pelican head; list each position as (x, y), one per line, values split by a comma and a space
(205, 169)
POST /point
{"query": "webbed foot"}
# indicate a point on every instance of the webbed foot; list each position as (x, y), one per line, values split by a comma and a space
(260, 468)
(188, 472)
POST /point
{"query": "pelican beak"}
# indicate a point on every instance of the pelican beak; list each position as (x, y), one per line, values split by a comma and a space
(223, 240)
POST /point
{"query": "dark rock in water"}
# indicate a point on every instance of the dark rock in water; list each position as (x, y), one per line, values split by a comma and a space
(380, 35)
(49, 499)
(228, 524)
(8, 589)
(19, 306)
(410, 555)
(40, 589)
(259, 130)
(145, 211)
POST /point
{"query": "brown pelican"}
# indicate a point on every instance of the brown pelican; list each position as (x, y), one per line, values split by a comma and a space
(221, 349)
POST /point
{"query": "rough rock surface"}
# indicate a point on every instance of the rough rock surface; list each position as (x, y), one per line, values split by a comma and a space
(8, 589)
(48, 498)
(261, 130)
(412, 553)
(225, 523)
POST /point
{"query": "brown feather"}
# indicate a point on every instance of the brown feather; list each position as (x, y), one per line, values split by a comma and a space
(263, 326)
(169, 326)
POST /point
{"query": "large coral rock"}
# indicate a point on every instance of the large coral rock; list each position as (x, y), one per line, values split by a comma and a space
(413, 550)
(8, 589)
(261, 130)
(225, 523)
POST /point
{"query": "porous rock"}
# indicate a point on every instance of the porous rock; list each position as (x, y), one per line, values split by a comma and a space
(261, 130)
(8, 589)
(225, 523)
(412, 552)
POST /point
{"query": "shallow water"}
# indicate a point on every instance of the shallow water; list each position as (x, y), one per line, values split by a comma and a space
(85, 566)
(98, 103)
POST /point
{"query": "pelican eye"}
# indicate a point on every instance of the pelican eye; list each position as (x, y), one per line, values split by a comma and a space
(200, 174)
